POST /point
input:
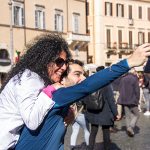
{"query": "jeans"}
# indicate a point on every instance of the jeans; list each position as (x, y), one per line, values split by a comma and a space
(132, 115)
(80, 121)
(147, 98)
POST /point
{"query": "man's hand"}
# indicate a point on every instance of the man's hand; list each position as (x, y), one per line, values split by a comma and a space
(140, 55)
(70, 117)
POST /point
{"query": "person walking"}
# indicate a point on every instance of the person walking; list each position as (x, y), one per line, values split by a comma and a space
(129, 98)
(104, 117)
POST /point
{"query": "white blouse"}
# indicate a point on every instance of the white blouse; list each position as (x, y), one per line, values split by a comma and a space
(22, 103)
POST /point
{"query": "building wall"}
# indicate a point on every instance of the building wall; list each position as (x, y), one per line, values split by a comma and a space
(23, 34)
(98, 45)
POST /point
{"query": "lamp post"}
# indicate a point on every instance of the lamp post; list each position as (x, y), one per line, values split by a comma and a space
(11, 33)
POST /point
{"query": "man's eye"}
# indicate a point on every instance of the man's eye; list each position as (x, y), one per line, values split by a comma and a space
(77, 74)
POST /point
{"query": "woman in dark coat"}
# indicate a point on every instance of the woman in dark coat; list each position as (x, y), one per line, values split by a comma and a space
(104, 117)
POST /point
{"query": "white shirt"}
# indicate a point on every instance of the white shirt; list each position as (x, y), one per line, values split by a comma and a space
(22, 103)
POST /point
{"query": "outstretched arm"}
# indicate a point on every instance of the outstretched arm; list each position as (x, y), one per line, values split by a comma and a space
(65, 96)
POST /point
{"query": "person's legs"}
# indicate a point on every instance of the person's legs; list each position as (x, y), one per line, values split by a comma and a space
(106, 137)
(85, 126)
(45, 137)
(132, 115)
(127, 115)
(75, 131)
(135, 116)
(94, 130)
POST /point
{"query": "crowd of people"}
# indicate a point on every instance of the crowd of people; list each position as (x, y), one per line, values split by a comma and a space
(37, 98)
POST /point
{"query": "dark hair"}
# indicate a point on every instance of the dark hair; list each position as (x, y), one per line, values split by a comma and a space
(39, 53)
(71, 62)
(100, 68)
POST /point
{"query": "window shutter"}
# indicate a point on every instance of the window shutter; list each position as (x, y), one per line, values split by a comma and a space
(22, 16)
(130, 39)
(108, 39)
(120, 38)
(111, 9)
(117, 10)
(148, 14)
(148, 37)
(44, 20)
(105, 8)
(36, 18)
(130, 12)
(122, 10)
(62, 21)
(55, 22)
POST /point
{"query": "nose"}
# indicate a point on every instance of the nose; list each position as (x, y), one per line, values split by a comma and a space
(64, 66)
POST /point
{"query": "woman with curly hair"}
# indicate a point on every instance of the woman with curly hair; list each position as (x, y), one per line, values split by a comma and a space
(22, 101)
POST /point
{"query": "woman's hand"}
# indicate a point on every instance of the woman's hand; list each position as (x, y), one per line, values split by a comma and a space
(57, 85)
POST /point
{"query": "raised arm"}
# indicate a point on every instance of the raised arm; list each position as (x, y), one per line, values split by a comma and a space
(65, 96)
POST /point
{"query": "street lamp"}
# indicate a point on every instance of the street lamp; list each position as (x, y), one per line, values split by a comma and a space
(11, 33)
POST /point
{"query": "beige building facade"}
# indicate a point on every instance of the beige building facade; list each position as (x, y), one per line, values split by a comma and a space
(22, 20)
(116, 28)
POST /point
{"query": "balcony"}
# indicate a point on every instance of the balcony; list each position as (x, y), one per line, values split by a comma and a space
(122, 47)
(72, 37)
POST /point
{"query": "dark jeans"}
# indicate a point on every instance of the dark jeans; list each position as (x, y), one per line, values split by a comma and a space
(106, 136)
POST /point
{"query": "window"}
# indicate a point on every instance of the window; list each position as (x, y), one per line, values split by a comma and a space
(108, 9)
(140, 12)
(120, 10)
(87, 8)
(59, 20)
(108, 38)
(148, 37)
(18, 14)
(130, 39)
(130, 12)
(39, 18)
(141, 38)
(76, 22)
(120, 38)
(148, 14)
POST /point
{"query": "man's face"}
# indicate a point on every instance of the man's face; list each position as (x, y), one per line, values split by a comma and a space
(75, 75)
(55, 69)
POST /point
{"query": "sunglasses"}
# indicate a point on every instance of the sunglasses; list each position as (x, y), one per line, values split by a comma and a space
(60, 62)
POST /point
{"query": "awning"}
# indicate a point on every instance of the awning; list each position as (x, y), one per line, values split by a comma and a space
(5, 69)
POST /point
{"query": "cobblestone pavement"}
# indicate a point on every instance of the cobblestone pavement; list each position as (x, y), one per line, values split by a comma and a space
(120, 140)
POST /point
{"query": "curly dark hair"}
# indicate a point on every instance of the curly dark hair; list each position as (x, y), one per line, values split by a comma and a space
(39, 53)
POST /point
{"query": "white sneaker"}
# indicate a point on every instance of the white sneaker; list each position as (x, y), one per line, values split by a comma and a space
(147, 113)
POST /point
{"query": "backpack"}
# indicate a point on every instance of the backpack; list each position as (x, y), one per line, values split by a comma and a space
(95, 101)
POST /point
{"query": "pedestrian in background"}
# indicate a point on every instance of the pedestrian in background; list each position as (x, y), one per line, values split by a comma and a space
(104, 117)
(129, 98)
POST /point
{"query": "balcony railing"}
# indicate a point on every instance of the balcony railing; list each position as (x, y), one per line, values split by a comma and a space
(121, 47)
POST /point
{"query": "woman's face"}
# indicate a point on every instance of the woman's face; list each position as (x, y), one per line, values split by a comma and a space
(57, 68)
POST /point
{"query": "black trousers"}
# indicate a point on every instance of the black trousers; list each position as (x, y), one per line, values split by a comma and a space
(106, 136)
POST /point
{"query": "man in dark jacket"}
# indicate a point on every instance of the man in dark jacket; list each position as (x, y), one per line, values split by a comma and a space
(129, 99)
(104, 117)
